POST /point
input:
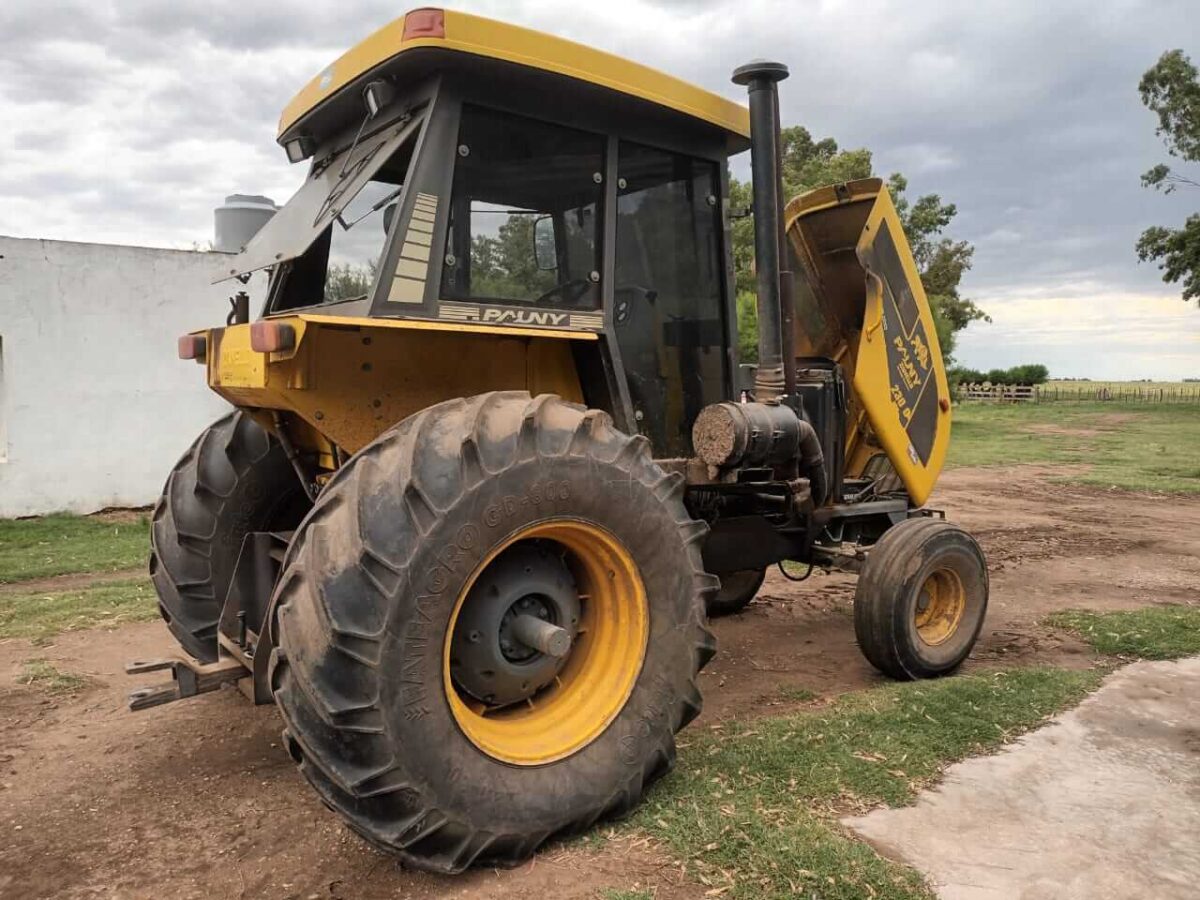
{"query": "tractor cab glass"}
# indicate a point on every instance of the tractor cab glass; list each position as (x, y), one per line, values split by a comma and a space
(327, 242)
(668, 297)
(525, 210)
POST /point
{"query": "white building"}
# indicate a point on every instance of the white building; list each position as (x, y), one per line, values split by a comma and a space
(95, 406)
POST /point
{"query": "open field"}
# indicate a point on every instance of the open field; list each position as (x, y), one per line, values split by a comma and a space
(1137, 393)
(198, 799)
(1081, 387)
(1138, 448)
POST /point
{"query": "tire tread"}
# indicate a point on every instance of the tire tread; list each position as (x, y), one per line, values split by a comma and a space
(411, 827)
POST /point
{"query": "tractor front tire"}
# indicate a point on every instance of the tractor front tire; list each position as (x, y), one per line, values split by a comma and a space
(234, 479)
(921, 599)
(737, 590)
(391, 614)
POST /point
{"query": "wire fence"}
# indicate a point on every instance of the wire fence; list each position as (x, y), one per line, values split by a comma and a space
(1049, 393)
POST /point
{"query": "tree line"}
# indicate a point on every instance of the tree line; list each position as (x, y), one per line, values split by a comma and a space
(1031, 373)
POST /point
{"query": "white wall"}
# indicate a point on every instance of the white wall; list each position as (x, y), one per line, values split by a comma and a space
(95, 406)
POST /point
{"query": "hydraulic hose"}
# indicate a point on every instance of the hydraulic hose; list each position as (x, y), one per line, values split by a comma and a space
(812, 463)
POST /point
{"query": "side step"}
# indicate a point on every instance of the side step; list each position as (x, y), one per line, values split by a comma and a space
(189, 678)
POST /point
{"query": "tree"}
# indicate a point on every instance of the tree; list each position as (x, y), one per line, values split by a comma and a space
(997, 376)
(1030, 373)
(747, 322)
(1171, 90)
(961, 375)
(1179, 250)
(807, 164)
(505, 266)
(346, 281)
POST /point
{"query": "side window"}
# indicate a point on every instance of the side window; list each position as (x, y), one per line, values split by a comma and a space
(668, 294)
(524, 213)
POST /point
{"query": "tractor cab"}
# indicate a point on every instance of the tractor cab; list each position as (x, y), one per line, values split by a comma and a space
(469, 172)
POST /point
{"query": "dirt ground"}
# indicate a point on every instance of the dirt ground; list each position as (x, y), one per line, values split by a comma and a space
(198, 799)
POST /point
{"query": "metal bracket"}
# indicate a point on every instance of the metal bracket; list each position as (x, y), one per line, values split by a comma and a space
(189, 678)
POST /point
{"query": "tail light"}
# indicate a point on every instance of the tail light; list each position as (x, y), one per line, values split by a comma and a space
(271, 337)
(193, 346)
(424, 23)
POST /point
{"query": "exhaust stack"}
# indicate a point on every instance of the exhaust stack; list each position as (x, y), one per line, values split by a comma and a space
(760, 78)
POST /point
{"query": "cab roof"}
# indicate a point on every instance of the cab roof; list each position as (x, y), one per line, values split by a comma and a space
(475, 35)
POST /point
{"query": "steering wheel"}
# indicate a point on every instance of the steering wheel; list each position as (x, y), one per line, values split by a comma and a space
(568, 293)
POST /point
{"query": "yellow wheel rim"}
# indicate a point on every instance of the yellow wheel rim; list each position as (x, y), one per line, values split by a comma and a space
(940, 606)
(604, 662)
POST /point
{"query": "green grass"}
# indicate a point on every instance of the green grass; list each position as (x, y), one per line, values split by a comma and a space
(615, 894)
(1156, 632)
(42, 614)
(751, 808)
(42, 674)
(1153, 448)
(63, 544)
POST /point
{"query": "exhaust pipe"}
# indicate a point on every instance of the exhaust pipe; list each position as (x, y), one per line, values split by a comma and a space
(760, 77)
(769, 432)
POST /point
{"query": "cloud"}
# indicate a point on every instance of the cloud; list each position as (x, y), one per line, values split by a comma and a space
(130, 120)
(1087, 333)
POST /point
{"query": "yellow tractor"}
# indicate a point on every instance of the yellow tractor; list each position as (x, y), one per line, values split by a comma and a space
(491, 464)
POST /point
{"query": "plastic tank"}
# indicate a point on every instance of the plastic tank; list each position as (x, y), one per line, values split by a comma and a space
(239, 219)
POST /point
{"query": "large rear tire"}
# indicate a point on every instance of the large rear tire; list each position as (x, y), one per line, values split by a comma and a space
(234, 479)
(399, 706)
(737, 590)
(921, 599)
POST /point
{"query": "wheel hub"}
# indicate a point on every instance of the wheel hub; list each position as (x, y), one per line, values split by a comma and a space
(604, 615)
(939, 607)
(514, 632)
(516, 650)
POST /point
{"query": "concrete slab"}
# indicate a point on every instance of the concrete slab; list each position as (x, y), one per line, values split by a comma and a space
(1104, 803)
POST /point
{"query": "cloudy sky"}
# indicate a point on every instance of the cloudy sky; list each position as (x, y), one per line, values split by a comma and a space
(126, 121)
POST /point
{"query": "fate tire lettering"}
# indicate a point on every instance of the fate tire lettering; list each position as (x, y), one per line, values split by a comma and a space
(459, 554)
(510, 505)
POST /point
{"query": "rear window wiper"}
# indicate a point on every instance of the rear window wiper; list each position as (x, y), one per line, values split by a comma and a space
(379, 204)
